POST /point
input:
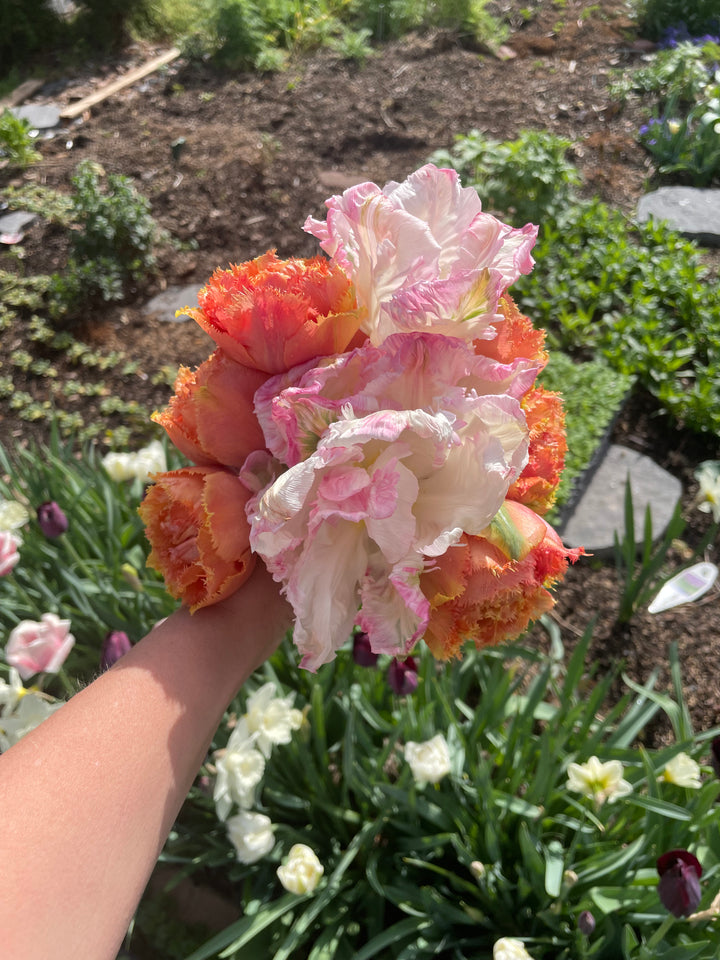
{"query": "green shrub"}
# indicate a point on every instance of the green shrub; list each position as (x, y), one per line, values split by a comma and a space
(15, 141)
(113, 244)
(528, 179)
(656, 16)
(27, 28)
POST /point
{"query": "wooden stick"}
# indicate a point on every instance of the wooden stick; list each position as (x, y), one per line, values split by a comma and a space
(75, 109)
(21, 93)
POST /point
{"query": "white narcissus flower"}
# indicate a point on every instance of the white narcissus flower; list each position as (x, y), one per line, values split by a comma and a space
(240, 768)
(683, 771)
(708, 476)
(13, 514)
(301, 871)
(11, 693)
(597, 780)
(129, 466)
(429, 761)
(29, 713)
(508, 948)
(251, 835)
(271, 719)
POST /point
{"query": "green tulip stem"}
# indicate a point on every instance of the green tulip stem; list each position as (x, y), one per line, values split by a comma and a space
(659, 934)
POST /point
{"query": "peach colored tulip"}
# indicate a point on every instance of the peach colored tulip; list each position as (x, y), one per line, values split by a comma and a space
(515, 337)
(211, 418)
(488, 588)
(272, 314)
(537, 484)
(196, 525)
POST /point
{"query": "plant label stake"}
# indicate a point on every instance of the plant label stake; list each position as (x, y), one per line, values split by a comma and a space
(685, 586)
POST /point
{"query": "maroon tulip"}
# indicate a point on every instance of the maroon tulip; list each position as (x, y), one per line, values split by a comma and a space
(115, 645)
(715, 755)
(586, 923)
(679, 885)
(51, 518)
(402, 676)
(362, 652)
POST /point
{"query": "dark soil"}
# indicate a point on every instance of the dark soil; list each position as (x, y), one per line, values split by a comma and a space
(263, 152)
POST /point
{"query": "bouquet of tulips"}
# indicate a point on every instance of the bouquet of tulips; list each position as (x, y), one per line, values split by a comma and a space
(370, 428)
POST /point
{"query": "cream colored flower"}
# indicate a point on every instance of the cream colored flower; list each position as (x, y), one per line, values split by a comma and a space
(271, 719)
(429, 761)
(683, 771)
(32, 708)
(12, 514)
(708, 476)
(507, 948)
(598, 780)
(477, 869)
(301, 871)
(251, 835)
(240, 768)
(128, 466)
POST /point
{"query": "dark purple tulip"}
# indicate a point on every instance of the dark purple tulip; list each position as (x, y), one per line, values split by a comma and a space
(115, 645)
(52, 520)
(715, 755)
(586, 923)
(402, 676)
(362, 653)
(679, 885)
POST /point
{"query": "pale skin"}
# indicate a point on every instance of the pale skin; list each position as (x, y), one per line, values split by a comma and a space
(88, 798)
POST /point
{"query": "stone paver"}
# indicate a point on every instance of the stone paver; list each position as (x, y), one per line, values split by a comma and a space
(40, 116)
(600, 511)
(164, 305)
(693, 212)
(16, 222)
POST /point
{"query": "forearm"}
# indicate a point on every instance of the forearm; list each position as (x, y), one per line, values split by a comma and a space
(88, 798)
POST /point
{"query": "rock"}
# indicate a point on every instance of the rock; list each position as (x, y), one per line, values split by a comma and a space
(600, 510)
(16, 222)
(693, 212)
(40, 116)
(164, 305)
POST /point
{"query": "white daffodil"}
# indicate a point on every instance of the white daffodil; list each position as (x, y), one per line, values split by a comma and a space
(301, 871)
(271, 719)
(13, 514)
(29, 712)
(129, 466)
(240, 768)
(708, 476)
(251, 835)
(508, 948)
(429, 761)
(597, 780)
(12, 692)
(683, 771)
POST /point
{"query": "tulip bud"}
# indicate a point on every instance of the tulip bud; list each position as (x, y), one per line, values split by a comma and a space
(362, 653)
(115, 645)
(715, 755)
(586, 923)
(679, 885)
(130, 576)
(51, 518)
(402, 676)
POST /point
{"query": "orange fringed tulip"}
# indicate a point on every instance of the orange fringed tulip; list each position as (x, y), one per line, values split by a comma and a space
(211, 418)
(488, 589)
(272, 314)
(537, 484)
(196, 524)
(516, 337)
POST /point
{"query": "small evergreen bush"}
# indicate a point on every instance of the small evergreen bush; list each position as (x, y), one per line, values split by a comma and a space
(657, 16)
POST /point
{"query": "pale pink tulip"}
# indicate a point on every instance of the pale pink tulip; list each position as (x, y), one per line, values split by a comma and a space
(39, 647)
(423, 256)
(9, 556)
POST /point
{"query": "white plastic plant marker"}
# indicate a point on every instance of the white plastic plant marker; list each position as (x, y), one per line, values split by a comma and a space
(685, 586)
